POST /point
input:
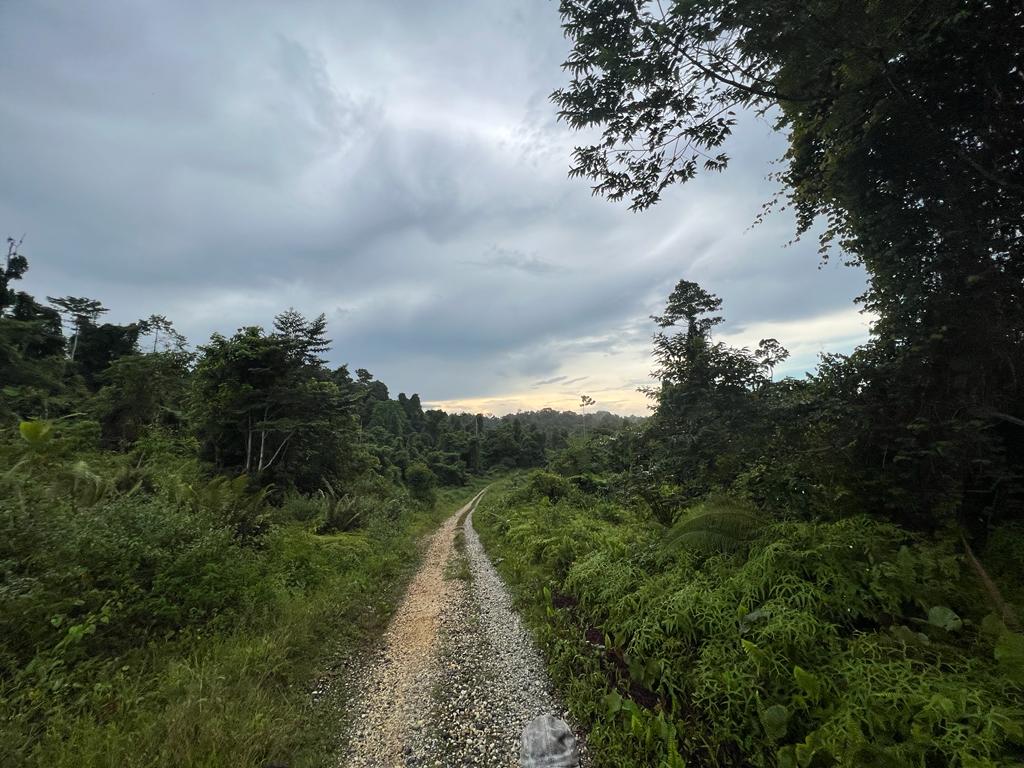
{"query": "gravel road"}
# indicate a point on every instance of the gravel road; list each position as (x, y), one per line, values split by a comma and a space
(457, 677)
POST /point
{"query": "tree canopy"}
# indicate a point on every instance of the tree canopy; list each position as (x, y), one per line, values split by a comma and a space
(904, 122)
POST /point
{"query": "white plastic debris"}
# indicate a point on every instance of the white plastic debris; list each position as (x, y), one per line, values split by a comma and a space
(548, 742)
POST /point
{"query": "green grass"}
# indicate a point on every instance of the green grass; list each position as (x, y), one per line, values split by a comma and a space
(457, 568)
(231, 690)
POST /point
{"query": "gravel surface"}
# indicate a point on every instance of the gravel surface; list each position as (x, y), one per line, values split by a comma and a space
(393, 696)
(458, 677)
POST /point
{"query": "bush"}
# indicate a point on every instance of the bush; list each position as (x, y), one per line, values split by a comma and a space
(544, 485)
(421, 482)
(150, 617)
(351, 512)
(590, 483)
(850, 643)
(87, 584)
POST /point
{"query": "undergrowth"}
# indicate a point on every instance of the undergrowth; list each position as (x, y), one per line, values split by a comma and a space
(731, 639)
(150, 616)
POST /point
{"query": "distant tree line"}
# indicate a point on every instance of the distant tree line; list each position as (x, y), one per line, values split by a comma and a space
(260, 402)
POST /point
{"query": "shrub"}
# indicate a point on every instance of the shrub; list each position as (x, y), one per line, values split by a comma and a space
(421, 482)
(543, 485)
(150, 617)
(590, 483)
(90, 583)
(734, 639)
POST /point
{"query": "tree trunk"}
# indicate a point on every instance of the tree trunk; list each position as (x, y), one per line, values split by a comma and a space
(263, 441)
(248, 445)
(278, 451)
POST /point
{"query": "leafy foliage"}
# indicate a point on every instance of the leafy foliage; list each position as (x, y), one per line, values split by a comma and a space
(846, 643)
(903, 121)
(182, 534)
(715, 527)
(741, 581)
(141, 599)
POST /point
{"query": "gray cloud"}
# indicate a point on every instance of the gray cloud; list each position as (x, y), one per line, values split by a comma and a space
(513, 259)
(398, 163)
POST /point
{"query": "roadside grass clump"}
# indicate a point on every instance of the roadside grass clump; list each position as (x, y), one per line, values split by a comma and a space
(153, 616)
(457, 568)
(733, 639)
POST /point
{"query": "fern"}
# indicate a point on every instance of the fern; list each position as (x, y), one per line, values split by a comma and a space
(230, 501)
(713, 528)
(795, 654)
(340, 513)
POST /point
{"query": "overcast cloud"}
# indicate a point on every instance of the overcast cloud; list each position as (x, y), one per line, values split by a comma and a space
(397, 166)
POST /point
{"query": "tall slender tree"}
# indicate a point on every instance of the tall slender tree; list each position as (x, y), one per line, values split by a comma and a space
(585, 402)
(15, 266)
(79, 313)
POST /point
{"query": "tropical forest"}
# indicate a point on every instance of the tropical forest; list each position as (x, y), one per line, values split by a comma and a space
(222, 543)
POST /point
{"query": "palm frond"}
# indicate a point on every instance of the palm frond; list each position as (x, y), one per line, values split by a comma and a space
(711, 528)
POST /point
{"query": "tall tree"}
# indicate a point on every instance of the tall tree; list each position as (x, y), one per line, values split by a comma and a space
(307, 337)
(15, 266)
(770, 353)
(32, 360)
(79, 312)
(140, 391)
(585, 402)
(101, 345)
(259, 408)
(165, 335)
(370, 392)
(904, 122)
(708, 394)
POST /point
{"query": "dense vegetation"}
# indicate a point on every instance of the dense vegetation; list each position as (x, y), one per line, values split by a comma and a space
(734, 637)
(773, 572)
(260, 403)
(818, 571)
(904, 124)
(186, 537)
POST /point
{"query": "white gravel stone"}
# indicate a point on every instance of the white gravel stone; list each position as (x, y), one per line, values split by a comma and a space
(459, 677)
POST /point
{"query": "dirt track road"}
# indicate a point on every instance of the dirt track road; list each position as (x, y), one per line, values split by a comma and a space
(457, 676)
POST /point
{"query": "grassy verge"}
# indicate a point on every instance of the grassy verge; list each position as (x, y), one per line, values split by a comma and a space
(811, 644)
(141, 632)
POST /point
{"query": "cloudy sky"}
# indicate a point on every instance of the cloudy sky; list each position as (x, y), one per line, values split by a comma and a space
(397, 166)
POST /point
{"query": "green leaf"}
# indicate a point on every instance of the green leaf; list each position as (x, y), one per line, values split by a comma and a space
(613, 702)
(786, 757)
(946, 618)
(1010, 655)
(807, 682)
(904, 634)
(1007, 723)
(665, 731)
(636, 668)
(992, 626)
(754, 652)
(653, 670)
(636, 725)
(36, 432)
(775, 720)
(804, 754)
